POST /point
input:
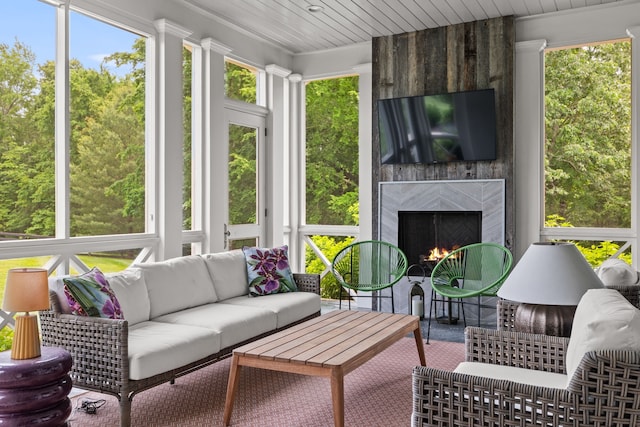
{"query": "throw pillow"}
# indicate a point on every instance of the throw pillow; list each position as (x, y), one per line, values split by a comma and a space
(90, 295)
(268, 270)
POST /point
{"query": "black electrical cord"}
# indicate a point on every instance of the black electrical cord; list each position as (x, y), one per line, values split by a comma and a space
(90, 406)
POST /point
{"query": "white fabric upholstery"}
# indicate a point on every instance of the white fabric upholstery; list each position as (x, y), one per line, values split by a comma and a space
(57, 285)
(234, 323)
(511, 373)
(617, 272)
(177, 284)
(156, 347)
(604, 320)
(228, 271)
(131, 291)
(289, 307)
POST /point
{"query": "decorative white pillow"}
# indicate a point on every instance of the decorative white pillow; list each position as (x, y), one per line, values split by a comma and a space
(604, 320)
(615, 271)
(131, 291)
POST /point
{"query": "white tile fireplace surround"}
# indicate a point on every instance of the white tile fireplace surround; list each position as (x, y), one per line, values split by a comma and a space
(483, 195)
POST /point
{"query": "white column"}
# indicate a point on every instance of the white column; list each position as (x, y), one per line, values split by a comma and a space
(294, 178)
(170, 138)
(364, 164)
(277, 138)
(634, 32)
(216, 152)
(62, 130)
(529, 143)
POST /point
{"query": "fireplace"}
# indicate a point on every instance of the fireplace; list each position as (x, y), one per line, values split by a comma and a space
(426, 236)
(482, 199)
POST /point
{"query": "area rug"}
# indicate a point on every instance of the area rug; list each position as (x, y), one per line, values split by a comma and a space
(377, 393)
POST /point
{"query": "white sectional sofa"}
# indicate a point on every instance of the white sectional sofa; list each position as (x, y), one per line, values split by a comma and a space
(180, 315)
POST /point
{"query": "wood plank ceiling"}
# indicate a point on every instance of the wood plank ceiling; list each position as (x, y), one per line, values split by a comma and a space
(290, 25)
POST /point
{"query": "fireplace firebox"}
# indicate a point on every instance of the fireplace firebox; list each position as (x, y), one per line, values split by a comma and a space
(426, 236)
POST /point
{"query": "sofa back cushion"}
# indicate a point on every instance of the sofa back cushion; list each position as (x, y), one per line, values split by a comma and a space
(176, 284)
(131, 290)
(604, 320)
(228, 272)
(129, 287)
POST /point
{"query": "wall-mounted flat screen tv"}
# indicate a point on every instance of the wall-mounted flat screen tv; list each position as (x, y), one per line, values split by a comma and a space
(450, 127)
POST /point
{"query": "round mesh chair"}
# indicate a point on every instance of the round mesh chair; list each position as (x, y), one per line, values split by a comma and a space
(369, 266)
(474, 270)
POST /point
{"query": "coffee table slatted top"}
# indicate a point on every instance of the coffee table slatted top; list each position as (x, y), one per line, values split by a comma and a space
(336, 339)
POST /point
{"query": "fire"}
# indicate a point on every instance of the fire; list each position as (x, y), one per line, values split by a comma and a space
(436, 254)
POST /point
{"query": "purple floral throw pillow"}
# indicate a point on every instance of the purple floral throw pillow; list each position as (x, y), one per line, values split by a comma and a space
(91, 295)
(268, 270)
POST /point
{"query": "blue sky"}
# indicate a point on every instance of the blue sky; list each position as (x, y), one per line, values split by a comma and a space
(33, 23)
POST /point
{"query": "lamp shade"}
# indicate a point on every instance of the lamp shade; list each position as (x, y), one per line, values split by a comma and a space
(550, 273)
(26, 290)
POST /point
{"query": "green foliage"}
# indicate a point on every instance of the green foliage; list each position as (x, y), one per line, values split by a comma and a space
(588, 134)
(6, 339)
(332, 151)
(329, 246)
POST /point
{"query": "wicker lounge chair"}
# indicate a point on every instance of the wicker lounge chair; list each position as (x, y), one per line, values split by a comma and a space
(602, 389)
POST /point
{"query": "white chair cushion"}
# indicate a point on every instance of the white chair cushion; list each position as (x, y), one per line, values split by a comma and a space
(511, 373)
(234, 323)
(156, 347)
(604, 320)
(131, 291)
(289, 307)
(228, 271)
(617, 272)
(176, 284)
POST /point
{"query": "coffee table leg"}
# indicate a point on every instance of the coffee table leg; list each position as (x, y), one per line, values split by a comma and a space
(232, 387)
(418, 335)
(337, 396)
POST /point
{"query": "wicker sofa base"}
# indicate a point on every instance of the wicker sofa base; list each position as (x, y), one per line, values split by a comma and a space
(99, 348)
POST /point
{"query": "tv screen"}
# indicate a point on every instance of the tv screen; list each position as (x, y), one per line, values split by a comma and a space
(459, 126)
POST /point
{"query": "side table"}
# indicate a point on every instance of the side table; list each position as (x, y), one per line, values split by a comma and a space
(35, 391)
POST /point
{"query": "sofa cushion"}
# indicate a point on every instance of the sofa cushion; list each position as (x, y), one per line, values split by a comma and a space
(604, 320)
(268, 270)
(512, 373)
(90, 294)
(235, 324)
(156, 347)
(131, 291)
(176, 284)
(228, 271)
(289, 307)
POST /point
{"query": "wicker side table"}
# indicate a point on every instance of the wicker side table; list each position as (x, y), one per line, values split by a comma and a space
(35, 391)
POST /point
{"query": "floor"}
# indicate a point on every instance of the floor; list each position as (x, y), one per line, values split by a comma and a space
(439, 331)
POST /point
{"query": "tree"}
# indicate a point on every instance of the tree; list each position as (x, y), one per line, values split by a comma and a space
(588, 134)
(332, 150)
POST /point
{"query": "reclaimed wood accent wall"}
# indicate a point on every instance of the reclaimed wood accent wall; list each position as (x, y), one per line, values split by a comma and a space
(469, 56)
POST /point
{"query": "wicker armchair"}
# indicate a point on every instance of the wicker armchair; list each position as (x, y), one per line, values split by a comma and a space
(603, 390)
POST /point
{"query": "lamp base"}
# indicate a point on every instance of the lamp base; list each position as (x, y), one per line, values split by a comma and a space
(26, 338)
(545, 319)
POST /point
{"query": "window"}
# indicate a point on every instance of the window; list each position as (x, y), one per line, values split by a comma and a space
(332, 151)
(241, 81)
(27, 76)
(107, 129)
(588, 142)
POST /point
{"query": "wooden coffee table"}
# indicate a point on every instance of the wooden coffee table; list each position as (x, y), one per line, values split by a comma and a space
(331, 345)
